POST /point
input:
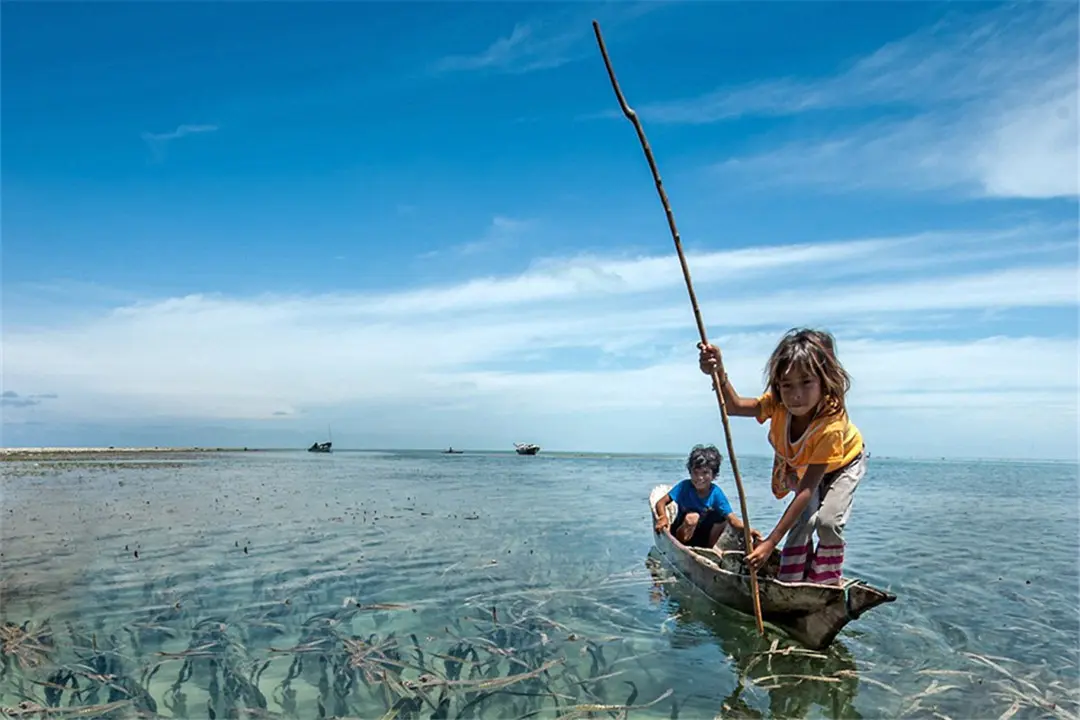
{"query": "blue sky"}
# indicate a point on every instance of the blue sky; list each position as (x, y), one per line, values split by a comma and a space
(429, 224)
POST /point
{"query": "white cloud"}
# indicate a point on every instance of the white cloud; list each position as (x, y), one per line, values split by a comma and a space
(179, 132)
(980, 104)
(520, 51)
(158, 143)
(483, 358)
(502, 234)
(563, 279)
(1031, 149)
(1022, 150)
(548, 42)
(962, 58)
(557, 279)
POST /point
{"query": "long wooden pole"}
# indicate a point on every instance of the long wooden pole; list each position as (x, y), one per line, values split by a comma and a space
(632, 116)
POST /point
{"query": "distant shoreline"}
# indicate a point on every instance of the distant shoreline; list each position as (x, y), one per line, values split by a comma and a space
(49, 453)
(46, 454)
(73, 453)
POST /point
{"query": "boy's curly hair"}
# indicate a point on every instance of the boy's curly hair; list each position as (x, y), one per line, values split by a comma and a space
(815, 352)
(704, 456)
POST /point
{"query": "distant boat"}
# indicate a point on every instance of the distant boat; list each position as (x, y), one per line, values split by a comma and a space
(452, 451)
(526, 448)
(323, 447)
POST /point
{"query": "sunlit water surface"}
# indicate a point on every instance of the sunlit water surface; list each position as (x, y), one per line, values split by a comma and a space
(280, 584)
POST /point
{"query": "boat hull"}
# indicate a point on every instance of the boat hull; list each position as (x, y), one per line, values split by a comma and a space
(810, 613)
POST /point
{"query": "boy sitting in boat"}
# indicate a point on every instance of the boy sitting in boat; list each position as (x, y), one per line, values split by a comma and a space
(703, 509)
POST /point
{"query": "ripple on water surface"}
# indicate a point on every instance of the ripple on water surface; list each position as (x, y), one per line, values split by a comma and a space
(353, 584)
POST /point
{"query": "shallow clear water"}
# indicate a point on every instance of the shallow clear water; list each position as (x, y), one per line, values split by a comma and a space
(490, 585)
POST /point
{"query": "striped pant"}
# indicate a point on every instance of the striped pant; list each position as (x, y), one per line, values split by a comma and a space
(826, 514)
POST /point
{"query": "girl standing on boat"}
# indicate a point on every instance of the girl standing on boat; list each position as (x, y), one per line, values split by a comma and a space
(818, 451)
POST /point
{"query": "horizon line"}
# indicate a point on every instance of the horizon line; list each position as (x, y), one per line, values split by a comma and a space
(133, 449)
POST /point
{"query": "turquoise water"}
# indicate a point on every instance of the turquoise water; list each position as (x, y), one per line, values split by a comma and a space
(285, 584)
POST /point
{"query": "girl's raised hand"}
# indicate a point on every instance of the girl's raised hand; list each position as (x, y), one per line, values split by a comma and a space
(709, 358)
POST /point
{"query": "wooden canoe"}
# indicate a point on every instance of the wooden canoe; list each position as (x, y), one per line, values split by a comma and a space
(810, 613)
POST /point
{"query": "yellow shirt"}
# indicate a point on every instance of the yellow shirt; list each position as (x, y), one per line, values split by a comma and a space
(831, 440)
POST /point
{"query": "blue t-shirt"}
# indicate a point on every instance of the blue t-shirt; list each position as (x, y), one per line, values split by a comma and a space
(686, 497)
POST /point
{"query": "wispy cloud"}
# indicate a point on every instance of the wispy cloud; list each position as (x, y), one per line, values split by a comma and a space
(962, 58)
(10, 398)
(610, 339)
(545, 43)
(159, 143)
(593, 279)
(179, 132)
(526, 48)
(1021, 151)
(501, 234)
(981, 104)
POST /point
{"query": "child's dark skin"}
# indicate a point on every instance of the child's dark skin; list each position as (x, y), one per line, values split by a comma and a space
(801, 394)
(702, 478)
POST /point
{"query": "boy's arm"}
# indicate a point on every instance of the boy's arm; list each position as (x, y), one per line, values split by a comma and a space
(660, 518)
(709, 362)
(736, 522)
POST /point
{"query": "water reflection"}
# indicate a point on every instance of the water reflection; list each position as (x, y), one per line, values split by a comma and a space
(770, 674)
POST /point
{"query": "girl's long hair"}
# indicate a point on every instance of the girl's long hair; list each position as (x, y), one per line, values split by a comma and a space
(815, 352)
